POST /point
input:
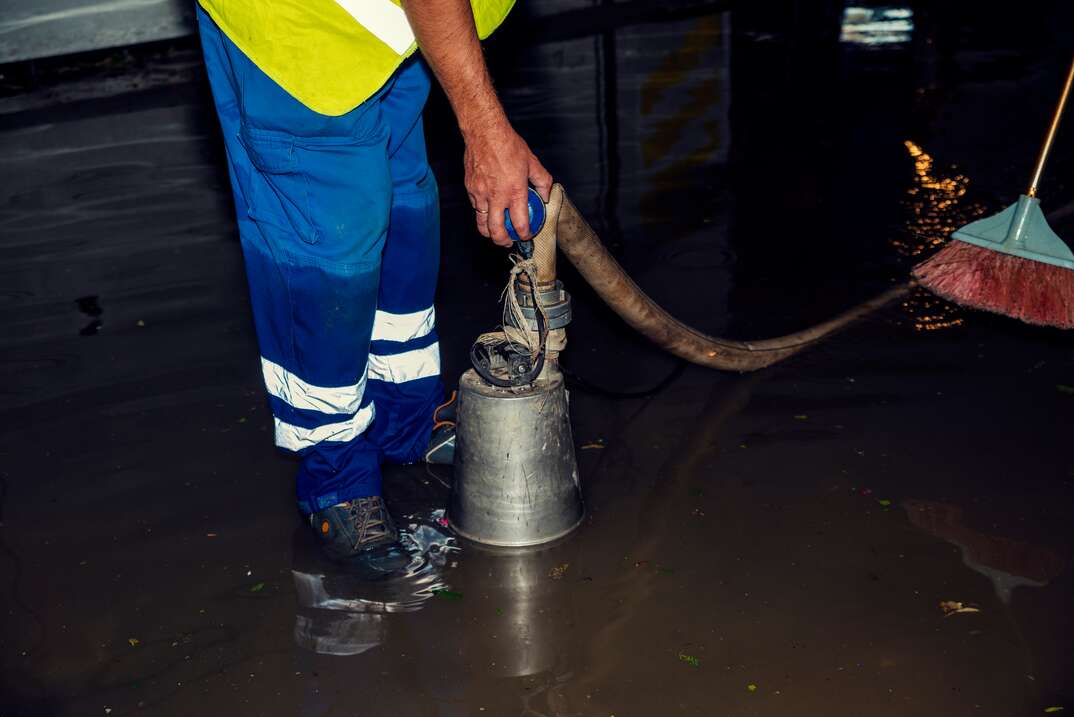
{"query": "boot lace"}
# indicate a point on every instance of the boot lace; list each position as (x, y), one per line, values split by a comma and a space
(370, 519)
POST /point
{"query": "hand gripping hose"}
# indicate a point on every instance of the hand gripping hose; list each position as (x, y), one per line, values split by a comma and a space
(565, 228)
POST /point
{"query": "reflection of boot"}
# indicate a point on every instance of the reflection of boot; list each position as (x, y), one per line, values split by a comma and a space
(342, 611)
(1006, 562)
(328, 621)
(340, 634)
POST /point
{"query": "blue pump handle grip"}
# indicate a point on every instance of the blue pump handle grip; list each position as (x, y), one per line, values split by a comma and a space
(536, 212)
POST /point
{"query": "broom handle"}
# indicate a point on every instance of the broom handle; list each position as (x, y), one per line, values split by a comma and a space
(1051, 135)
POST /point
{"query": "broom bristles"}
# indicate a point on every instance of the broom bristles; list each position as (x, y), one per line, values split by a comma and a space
(1031, 291)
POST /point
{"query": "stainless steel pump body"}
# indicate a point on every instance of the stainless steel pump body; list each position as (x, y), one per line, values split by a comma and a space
(516, 479)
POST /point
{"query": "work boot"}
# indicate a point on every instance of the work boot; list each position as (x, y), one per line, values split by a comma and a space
(441, 450)
(361, 530)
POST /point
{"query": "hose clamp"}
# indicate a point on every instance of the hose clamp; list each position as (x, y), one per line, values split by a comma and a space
(556, 303)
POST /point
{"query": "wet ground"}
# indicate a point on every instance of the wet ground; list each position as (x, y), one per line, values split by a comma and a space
(768, 544)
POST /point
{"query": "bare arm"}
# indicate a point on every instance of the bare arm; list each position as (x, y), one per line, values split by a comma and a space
(498, 162)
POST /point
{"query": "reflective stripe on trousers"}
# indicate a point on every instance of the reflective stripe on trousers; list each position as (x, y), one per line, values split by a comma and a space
(339, 224)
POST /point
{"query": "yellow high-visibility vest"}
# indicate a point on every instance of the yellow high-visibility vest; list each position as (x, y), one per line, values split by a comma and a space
(330, 55)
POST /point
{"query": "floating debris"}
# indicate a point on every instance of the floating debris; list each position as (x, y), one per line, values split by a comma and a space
(751, 687)
(689, 660)
(133, 641)
(952, 607)
(257, 588)
(448, 594)
(559, 571)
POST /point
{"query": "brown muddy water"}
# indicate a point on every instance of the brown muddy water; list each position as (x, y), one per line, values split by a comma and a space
(785, 543)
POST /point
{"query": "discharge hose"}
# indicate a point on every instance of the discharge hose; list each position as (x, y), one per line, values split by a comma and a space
(566, 228)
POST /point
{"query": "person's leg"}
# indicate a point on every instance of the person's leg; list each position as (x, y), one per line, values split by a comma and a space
(313, 196)
(404, 361)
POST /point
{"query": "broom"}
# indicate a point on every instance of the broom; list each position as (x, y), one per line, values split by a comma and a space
(1011, 263)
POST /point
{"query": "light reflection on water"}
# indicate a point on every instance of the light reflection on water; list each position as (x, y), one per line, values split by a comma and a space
(936, 206)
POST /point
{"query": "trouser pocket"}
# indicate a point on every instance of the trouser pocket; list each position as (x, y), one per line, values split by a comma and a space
(282, 197)
(333, 193)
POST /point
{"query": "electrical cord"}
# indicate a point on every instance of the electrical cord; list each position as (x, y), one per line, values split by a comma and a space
(483, 353)
(577, 382)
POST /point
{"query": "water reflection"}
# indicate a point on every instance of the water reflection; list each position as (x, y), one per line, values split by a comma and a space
(511, 612)
(341, 613)
(1008, 563)
(936, 205)
(520, 600)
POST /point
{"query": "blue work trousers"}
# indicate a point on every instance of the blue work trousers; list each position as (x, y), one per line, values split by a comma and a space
(339, 223)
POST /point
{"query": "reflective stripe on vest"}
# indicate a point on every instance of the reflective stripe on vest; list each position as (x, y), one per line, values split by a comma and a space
(330, 55)
(384, 19)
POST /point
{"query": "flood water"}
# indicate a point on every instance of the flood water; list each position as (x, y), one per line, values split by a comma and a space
(782, 543)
